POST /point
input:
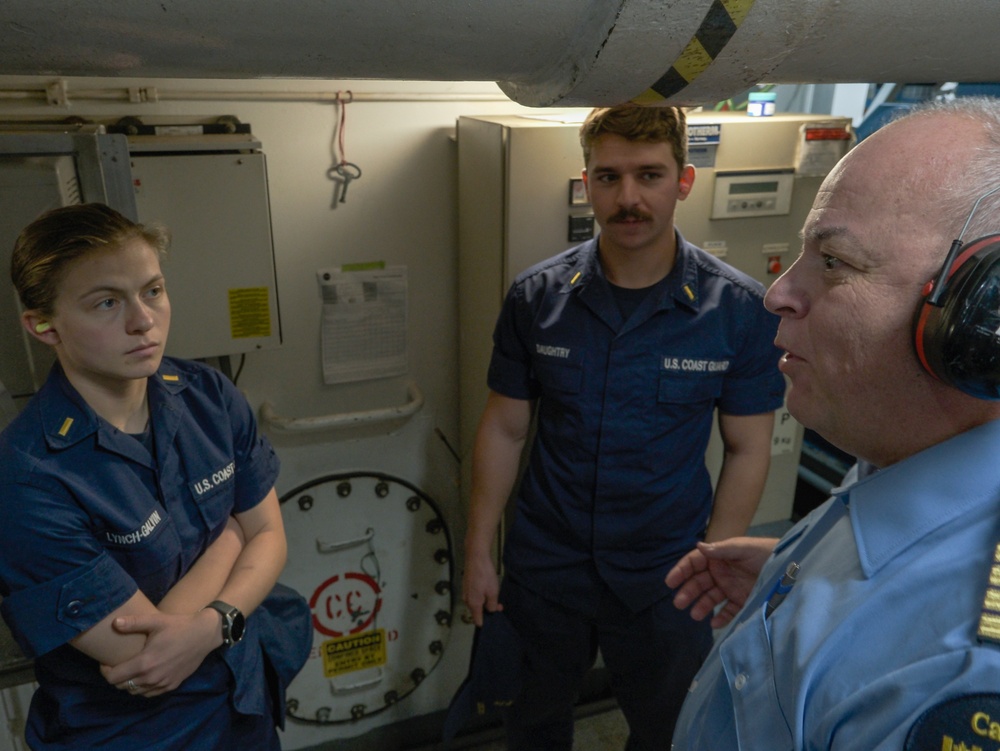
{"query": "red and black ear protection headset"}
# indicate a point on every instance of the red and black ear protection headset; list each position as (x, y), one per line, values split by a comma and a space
(958, 324)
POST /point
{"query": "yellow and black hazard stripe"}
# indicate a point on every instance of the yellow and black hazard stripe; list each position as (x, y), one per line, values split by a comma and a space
(720, 23)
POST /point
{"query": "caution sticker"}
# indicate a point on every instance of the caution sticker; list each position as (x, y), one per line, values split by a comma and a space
(249, 312)
(354, 652)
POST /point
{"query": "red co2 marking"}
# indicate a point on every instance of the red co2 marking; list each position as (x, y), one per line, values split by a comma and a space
(345, 605)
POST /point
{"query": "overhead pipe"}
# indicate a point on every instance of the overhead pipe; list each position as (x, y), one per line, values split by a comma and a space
(557, 52)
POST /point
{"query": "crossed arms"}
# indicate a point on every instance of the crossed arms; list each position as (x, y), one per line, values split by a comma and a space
(158, 646)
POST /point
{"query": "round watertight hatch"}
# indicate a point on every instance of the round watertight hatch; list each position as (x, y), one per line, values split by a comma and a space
(372, 555)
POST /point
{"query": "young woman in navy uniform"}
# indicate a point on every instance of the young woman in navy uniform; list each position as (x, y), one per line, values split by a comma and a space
(142, 537)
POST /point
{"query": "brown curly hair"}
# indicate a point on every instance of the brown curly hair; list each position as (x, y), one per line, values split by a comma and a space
(634, 122)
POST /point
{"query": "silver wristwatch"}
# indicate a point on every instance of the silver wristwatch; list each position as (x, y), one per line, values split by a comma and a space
(234, 624)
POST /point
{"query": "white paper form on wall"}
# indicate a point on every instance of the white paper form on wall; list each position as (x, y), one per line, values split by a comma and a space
(363, 329)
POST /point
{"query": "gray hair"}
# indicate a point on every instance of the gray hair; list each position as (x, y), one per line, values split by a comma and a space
(980, 175)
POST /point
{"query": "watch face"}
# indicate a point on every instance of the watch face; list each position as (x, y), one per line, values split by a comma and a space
(237, 626)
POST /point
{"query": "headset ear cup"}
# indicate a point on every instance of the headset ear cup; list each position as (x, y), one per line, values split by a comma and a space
(928, 340)
(959, 342)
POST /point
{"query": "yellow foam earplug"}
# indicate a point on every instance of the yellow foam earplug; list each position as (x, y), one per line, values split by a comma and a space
(41, 328)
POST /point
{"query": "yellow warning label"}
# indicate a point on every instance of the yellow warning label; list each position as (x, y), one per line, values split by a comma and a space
(249, 313)
(721, 22)
(354, 652)
(694, 60)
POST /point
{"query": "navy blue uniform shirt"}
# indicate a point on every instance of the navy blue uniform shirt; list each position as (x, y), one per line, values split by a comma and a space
(90, 516)
(616, 487)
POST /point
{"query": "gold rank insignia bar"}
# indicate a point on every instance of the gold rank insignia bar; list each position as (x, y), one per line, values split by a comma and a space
(989, 621)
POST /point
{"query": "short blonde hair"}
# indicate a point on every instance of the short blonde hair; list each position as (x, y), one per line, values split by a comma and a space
(49, 244)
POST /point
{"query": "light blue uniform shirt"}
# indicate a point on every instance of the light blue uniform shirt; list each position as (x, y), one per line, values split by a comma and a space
(879, 630)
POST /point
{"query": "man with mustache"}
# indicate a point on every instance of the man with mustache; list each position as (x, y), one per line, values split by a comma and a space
(875, 622)
(621, 349)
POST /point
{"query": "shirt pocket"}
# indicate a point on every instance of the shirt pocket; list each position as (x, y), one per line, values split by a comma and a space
(215, 495)
(149, 553)
(674, 389)
(559, 375)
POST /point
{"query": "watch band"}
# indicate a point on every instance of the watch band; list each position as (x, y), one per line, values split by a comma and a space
(233, 621)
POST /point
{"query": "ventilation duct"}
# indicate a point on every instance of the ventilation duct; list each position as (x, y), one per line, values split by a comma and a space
(541, 52)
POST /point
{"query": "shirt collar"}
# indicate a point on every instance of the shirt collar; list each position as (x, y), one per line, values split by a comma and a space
(895, 507)
(681, 283)
(66, 417)
(169, 378)
(683, 278)
(585, 268)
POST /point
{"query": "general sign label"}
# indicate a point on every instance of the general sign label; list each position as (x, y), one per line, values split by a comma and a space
(354, 652)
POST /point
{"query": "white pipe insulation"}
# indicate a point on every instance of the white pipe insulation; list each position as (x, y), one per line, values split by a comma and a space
(541, 52)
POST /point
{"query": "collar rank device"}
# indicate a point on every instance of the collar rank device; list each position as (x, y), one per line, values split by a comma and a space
(989, 622)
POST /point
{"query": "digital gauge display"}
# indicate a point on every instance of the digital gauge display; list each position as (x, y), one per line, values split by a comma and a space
(739, 189)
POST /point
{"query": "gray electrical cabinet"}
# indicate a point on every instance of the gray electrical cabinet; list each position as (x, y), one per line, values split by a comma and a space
(211, 193)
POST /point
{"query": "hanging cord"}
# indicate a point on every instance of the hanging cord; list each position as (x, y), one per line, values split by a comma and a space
(339, 154)
(342, 172)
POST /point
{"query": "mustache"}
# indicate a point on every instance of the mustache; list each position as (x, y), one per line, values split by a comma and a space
(625, 215)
